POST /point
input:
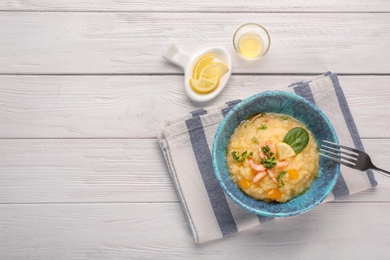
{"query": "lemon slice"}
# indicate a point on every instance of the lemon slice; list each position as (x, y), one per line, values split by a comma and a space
(201, 64)
(214, 70)
(206, 74)
(284, 150)
(204, 86)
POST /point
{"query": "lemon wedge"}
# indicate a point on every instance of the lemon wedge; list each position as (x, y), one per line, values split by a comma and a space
(201, 64)
(214, 70)
(204, 86)
(284, 150)
(209, 78)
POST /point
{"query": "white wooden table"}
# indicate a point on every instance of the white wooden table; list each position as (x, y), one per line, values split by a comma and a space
(83, 88)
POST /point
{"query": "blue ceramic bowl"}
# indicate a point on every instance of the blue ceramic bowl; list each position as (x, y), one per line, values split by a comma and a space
(308, 114)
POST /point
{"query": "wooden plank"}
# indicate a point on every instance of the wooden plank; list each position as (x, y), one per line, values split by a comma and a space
(199, 6)
(111, 170)
(134, 106)
(83, 171)
(133, 43)
(159, 231)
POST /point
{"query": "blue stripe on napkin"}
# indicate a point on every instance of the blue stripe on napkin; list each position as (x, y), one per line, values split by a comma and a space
(304, 91)
(350, 122)
(198, 112)
(341, 188)
(230, 105)
(203, 159)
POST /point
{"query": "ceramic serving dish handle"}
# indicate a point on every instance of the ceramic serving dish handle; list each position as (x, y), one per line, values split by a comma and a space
(177, 56)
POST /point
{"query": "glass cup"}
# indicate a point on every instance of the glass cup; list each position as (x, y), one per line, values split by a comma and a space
(251, 41)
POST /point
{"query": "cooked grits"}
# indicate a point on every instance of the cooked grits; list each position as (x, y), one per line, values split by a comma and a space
(290, 176)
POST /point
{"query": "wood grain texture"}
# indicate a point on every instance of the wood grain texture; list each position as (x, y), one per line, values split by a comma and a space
(133, 43)
(135, 106)
(111, 170)
(83, 88)
(159, 231)
(199, 6)
(114, 170)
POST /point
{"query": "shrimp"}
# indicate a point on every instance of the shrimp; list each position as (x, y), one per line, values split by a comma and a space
(256, 167)
(271, 147)
(261, 153)
(272, 175)
(281, 164)
(259, 176)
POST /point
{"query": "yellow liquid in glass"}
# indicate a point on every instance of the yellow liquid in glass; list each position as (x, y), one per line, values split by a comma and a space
(250, 45)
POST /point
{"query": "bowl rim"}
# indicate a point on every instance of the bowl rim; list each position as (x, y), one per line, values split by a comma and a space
(260, 211)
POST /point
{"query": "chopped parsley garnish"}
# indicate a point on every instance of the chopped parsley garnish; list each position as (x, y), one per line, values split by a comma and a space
(254, 139)
(281, 174)
(279, 178)
(266, 149)
(241, 157)
(262, 127)
(285, 117)
(270, 160)
(237, 157)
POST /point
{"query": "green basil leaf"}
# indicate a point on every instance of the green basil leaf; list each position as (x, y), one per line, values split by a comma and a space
(297, 138)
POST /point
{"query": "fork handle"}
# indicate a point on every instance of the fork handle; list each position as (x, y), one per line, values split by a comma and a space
(383, 172)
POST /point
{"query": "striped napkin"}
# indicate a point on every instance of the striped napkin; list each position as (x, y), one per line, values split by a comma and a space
(186, 143)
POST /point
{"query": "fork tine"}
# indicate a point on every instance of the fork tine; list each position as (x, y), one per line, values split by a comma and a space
(342, 146)
(335, 149)
(339, 161)
(339, 156)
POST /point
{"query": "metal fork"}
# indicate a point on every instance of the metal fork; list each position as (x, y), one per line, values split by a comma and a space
(357, 159)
